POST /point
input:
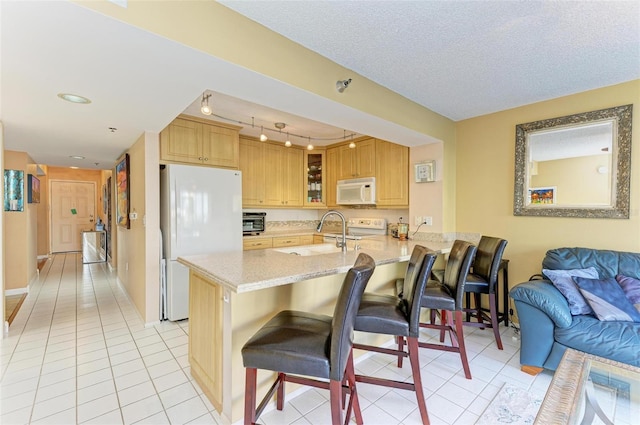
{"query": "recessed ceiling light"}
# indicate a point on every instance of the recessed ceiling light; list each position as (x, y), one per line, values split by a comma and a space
(76, 156)
(73, 98)
(75, 168)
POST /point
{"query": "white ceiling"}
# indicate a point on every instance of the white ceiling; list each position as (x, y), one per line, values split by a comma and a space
(460, 59)
(467, 58)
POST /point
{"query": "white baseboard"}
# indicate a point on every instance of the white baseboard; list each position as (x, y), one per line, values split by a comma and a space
(17, 291)
(43, 257)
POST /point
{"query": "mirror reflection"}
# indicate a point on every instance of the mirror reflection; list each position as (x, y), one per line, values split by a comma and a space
(574, 166)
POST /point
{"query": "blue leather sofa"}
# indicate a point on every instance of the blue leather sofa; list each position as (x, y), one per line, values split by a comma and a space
(548, 328)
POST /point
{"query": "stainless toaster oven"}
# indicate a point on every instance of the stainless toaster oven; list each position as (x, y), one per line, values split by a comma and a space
(253, 223)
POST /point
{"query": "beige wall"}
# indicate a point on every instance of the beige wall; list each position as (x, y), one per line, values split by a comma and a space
(485, 157)
(20, 230)
(138, 247)
(426, 199)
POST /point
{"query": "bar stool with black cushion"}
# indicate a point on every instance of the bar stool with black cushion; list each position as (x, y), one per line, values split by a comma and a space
(295, 343)
(390, 315)
(447, 297)
(483, 279)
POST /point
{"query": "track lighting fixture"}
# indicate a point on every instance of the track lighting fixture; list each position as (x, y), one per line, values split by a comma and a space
(352, 145)
(279, 126)
(341, 85)
(204, 104)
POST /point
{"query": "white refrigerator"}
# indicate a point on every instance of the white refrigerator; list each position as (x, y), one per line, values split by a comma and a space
(200, 213)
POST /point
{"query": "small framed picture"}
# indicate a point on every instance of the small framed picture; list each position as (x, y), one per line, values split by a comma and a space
(425, 171)
(542, 195)
(33, 189)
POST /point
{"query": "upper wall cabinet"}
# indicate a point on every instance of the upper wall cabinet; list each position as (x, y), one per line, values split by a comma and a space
(272, 175)
(392, 172)
(356, 162)
(316, 168)
(196, 141)
(388, 162)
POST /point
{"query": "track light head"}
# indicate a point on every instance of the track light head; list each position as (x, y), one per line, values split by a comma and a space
(341, 85)
(204, 104)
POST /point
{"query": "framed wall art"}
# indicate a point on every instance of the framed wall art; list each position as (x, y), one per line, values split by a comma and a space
(122, 192)
(33, 189)
(14, 190)
(542, 195)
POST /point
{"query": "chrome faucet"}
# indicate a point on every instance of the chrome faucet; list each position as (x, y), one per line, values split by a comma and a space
(340, 244)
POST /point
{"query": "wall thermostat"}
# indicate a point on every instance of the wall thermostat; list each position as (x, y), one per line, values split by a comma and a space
(425, 171)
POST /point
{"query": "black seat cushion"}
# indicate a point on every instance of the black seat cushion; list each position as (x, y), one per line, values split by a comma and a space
(437, 297)
(383, 314)
(291, 342)
(475, 283)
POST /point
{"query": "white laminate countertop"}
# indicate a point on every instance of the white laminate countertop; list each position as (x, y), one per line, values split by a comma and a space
(245, 271)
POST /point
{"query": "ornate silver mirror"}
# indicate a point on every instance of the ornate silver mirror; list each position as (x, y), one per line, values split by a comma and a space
(575, 166)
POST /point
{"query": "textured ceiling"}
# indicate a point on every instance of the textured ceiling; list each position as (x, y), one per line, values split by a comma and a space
(463, 59)
(460, 59)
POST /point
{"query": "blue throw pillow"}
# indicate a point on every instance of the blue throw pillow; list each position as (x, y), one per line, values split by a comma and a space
(631, 288)
(607, 299)
(561, 279)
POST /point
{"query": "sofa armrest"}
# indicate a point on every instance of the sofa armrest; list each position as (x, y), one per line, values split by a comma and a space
(542, 295)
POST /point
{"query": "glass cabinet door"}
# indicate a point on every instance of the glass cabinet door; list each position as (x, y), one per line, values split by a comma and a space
(315, 168)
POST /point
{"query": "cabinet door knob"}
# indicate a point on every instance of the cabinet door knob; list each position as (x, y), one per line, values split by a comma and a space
(206, 159)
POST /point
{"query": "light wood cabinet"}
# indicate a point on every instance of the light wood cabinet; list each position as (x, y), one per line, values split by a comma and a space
(196, 141)
(332, 177)
(308, 240)
(257, 243)
(272, 179)
(252, 167)
(206, 324)
(272, 175)
(292, 177)
(316, 181)
(356, 162)
(280, 241)
(392, 172)
(283, 241)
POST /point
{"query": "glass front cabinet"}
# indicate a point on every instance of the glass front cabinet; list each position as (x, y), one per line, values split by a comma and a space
(315, 192)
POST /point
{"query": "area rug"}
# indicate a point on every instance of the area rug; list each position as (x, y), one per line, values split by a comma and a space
(512, 405)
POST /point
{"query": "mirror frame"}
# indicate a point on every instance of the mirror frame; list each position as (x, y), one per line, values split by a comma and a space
(622, 115)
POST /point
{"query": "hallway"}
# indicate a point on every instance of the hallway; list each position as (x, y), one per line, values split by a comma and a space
(78, 351)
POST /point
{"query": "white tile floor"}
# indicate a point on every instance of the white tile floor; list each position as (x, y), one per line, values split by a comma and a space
(78, 352)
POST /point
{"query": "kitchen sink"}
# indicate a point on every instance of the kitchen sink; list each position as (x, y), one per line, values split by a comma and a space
(307, 250)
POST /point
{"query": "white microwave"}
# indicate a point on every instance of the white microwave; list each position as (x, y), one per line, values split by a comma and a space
(357, 191)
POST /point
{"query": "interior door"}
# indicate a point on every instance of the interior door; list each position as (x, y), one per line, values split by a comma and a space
(72, 211)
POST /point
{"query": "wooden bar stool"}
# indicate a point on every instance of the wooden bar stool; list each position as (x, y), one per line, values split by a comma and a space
(295, 343)
(484, 280)
(391, 315)
(447, 297)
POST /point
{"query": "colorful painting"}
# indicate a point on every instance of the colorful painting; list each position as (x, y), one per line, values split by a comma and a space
(33, 189)
(122, 192)
(542, 195)
(13, 190)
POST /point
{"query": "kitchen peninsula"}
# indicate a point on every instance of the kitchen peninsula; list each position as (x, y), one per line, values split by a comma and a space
(233, 294)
